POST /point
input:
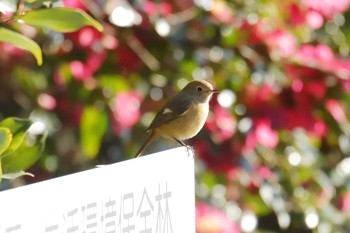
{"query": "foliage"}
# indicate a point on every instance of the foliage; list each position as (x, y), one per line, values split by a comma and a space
(273, 155)
(21, 145)
(17, 153)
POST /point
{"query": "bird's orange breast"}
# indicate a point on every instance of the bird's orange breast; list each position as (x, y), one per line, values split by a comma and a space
(188, 125)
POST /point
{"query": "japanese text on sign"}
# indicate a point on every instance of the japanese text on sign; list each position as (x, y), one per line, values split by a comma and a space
(146, 195)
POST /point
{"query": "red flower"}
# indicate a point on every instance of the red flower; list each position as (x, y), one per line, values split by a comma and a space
(287, 110)
(257, 96)
(296, 16)
(128, 59)
(221, 159)
(165, 8)
(69, 112)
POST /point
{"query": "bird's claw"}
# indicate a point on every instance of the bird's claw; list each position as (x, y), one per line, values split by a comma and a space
(190, 151)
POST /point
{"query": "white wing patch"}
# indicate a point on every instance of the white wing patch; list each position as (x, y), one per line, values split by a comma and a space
(167, 110)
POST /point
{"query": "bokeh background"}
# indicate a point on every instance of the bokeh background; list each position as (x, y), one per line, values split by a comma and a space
(274, 153)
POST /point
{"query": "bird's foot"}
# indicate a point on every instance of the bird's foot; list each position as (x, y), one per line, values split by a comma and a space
(190, 151)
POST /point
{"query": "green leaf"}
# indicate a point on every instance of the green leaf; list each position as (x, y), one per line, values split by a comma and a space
(256, 203)
(0, 171)
(14, 175)
(24, 157)
(18, 128)
(23, 42)
(60, 19)
(5, 139)
(231, 38)
(93, 126)
(113, 82)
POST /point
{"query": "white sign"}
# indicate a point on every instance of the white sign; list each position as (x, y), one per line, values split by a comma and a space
(150, 194)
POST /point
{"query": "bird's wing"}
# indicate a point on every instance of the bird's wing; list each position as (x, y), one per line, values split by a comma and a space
(175, 107)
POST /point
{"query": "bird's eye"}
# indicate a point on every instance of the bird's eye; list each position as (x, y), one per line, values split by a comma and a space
(199, 89)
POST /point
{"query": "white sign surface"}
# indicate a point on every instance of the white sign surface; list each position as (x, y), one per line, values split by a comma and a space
(151, 194)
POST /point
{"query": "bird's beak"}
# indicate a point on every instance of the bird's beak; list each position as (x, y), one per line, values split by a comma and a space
(215, 91)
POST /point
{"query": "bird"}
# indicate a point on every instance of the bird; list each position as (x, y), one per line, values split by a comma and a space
(183, 116)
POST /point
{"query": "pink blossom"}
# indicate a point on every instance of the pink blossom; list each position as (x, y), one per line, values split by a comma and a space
(265, 135)
(345, 203)
(9, 50)
(109, 42)
(165, 8)
(222, 124)
(322, 57)
(282, 42)
(326, 7)
(297, 85)
(79, 70)
(94, 61)
(212, 220)
(222, 12)
(286, 110)
(314, 19)
(278, 41)
(250, 141)
(305, 53)
(319, 127)
(319, 54)
(74, 4)
(150, 7)
(264, 172)
(86, 37)
(126, 110)
(323, 52)
(84, 71)
(346, 85)
(46, 101)
(336, 110)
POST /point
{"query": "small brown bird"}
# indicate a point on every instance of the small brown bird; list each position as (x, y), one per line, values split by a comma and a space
(183, 116)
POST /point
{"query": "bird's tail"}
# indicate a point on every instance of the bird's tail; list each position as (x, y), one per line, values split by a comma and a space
(146, 143)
